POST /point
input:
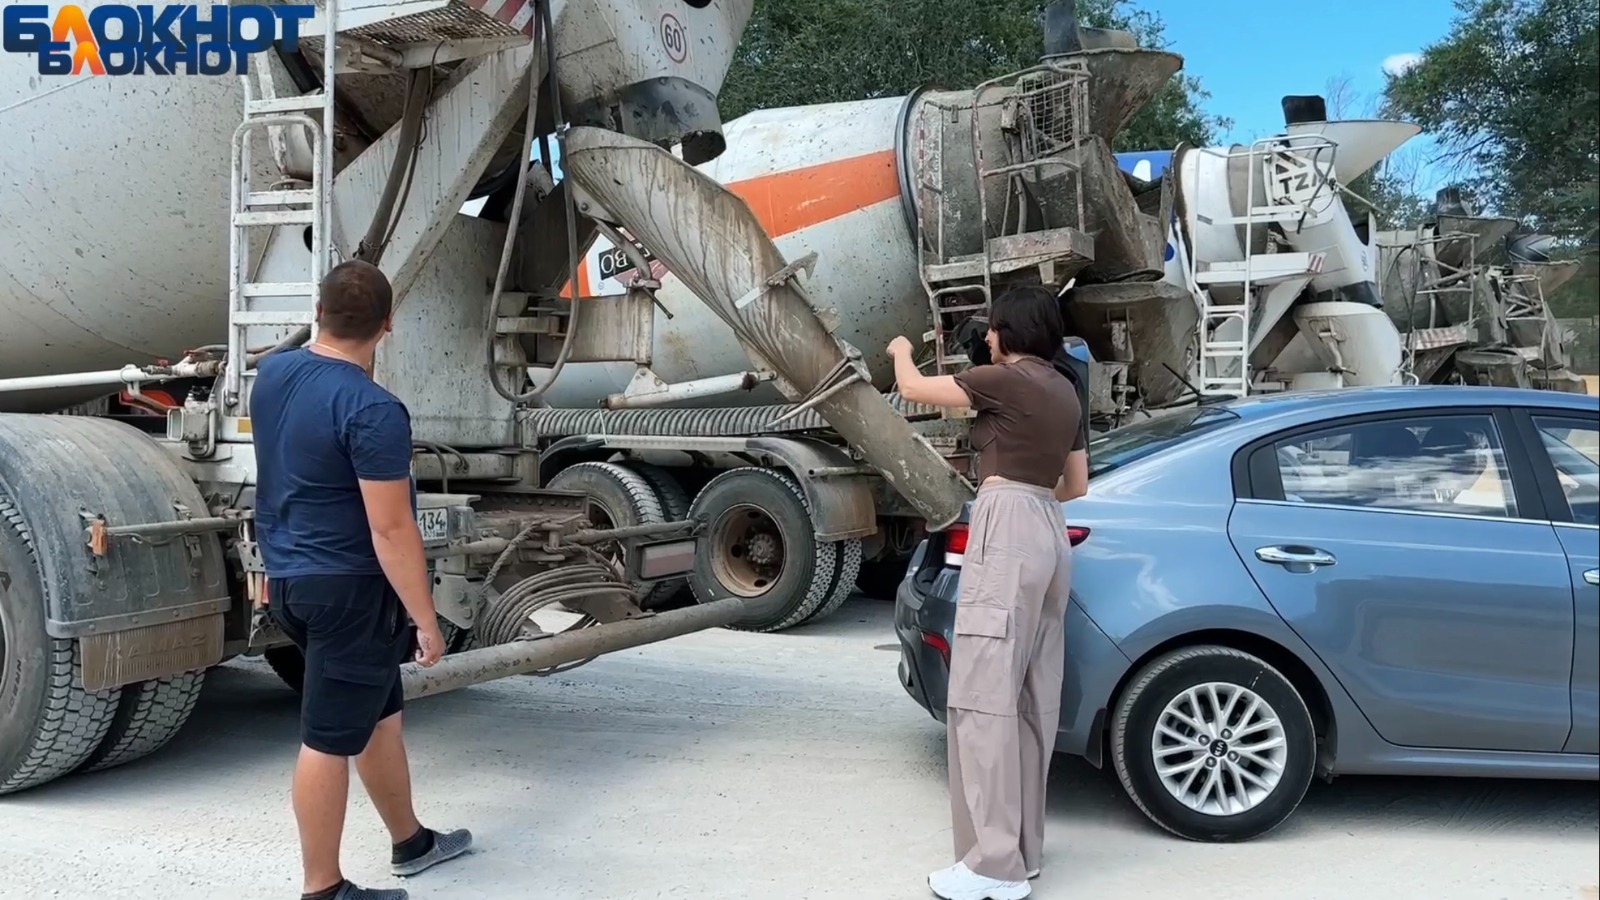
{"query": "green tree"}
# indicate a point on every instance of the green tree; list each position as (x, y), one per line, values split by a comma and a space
(1512, 94)
(1393, 186)
(801, 52)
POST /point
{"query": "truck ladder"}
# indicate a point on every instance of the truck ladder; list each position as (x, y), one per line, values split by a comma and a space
(1049, 105)
(279, 305)
(1227, 329)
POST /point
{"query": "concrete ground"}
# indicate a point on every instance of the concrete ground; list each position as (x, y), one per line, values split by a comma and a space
(728, 766)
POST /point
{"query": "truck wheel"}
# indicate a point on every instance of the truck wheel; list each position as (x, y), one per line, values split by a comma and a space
(618, 498)
(49, 725)
(844, 581)
(149, 714)
(674, 502)
(1213, 744)
(759, 544)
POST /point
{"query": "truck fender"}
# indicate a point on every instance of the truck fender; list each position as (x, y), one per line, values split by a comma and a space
(838, 488)
(142, 607)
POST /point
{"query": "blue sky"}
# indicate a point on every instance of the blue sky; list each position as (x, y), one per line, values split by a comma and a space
(1249, 53)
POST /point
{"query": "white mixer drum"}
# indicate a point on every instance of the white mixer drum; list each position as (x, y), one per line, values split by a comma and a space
(114, 232)
(823, 179)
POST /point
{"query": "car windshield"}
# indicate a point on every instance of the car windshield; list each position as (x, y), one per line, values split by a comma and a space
(1124, 445)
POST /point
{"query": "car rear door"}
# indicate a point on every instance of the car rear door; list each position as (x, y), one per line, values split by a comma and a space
(1566, 449)
(1407, 550)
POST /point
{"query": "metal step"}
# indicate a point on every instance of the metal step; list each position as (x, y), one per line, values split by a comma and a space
(1260, 215)
(1070, 249)
(281, 105)
(1265, 268)
(272, 317)
(961, 268)
(280, 198)
(278, 289)
(409, 23)
(274, 217)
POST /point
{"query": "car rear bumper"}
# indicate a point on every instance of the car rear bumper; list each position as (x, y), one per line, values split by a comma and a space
(1094, 665)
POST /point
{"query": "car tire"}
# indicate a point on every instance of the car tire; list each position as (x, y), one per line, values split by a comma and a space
(761, 509)
(1230, 793)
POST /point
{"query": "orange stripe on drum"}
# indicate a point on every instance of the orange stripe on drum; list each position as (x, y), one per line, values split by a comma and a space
(794, 200)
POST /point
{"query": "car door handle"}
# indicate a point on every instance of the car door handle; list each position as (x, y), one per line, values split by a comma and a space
(1592, 576)
(1310, 557)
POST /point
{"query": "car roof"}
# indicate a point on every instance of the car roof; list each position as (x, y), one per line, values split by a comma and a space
(1355, 401)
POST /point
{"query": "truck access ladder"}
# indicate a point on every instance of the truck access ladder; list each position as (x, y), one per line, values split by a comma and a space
(291, 304)
(1228, 329)
(370, 36)
(1043, 112)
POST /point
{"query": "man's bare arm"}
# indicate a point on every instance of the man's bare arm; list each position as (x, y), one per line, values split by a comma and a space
(399, 545)
(1074, 480)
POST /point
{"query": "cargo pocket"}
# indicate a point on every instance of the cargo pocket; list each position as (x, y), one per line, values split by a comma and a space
(983, 672)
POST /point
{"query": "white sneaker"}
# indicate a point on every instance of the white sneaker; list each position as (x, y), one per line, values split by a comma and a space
(961, 883)
(1032, 874)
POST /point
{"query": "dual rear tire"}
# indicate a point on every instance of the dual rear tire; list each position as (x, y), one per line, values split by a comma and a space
(759, 542)
(50, 726)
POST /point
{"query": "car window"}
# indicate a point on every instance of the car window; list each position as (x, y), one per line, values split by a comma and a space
(1131, 442)
(1574, 449)
(1439, 464)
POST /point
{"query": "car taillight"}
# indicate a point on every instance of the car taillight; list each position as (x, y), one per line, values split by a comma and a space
(956, 537)
(938, 643)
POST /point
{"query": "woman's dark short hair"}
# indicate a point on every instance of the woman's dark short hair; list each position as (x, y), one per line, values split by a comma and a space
(356, 301)
(1028, 320)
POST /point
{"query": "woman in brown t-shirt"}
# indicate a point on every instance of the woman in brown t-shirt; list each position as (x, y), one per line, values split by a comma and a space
(1007, 658)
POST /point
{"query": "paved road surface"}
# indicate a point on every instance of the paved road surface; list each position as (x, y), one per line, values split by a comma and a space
(727, 766)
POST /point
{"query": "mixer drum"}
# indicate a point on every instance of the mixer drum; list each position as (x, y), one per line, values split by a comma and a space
(823, 179)
(115, 233)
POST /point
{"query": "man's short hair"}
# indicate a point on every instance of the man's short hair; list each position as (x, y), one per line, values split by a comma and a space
(1028, 320)
(356, 301)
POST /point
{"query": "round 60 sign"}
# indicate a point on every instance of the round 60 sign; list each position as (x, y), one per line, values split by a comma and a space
(674, 38)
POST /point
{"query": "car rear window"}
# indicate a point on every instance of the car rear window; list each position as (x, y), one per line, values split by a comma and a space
(1131, 442)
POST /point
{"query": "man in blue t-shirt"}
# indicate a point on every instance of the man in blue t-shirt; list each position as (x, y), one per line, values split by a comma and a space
(336, 522)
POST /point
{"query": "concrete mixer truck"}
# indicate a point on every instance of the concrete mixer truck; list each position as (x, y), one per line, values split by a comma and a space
(1197, 273)
(1467, 292)
(160, 233)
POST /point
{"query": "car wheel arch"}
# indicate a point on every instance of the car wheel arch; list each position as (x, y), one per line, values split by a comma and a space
(1300, 674)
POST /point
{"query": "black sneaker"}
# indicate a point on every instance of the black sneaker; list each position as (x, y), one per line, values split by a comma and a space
(444, 846)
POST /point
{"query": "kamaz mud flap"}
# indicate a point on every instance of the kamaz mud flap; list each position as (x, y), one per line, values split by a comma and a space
(714, 244)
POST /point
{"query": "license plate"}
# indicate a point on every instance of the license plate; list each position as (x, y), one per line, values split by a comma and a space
(434, 524)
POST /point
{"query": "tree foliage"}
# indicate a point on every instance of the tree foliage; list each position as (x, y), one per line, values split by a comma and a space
(1512, 94)
(801, 52)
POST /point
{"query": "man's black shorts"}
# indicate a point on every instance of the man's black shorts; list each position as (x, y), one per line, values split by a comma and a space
(354, 633)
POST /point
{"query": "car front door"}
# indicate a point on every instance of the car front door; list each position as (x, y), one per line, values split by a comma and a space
(1407, 551)
(1569, 479)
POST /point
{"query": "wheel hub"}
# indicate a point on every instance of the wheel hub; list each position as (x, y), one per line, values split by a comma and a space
(763, 550)
(748, 550)
(1219, 749)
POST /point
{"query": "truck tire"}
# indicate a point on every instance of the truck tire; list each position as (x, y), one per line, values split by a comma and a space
(623, 498)
(149, 714)
(674, 502)
(844, 581)
(50, 725)
(759, 544)
(1235, 737)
